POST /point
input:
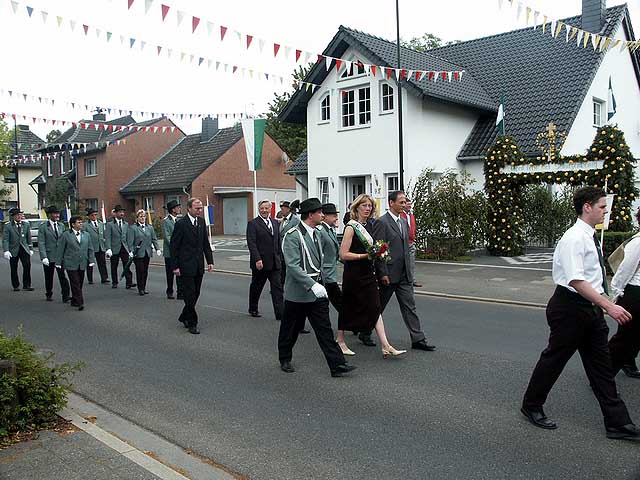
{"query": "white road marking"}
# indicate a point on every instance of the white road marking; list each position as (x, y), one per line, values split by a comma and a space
(497, 279)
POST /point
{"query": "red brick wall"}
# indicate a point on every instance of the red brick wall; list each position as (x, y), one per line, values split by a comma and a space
(232, 170)
(118, 164)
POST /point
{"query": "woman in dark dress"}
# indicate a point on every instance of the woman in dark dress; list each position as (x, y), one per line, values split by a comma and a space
(361, 309)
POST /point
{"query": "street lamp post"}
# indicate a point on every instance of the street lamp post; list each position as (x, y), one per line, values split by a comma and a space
(400, 136)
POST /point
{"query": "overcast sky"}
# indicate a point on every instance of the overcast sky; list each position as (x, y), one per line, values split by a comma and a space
(42, 59)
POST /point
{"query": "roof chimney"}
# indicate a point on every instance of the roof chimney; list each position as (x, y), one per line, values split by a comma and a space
(209, 128)
(594, 14)
(99, 117)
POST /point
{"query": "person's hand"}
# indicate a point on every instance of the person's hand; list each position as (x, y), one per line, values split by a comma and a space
(30, 253)
(210, 268)
(58, 267)
(159, 253)
(130, 254)
(108, 253)
(319, 291)
(619, 314)
(259, 265)
(45, 262)
(385, 280)
(91, 265)
(176, 272)
(7, 255)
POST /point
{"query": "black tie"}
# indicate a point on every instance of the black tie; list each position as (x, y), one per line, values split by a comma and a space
(601, 260)
(55, 229)
(19, 227)
(269, 226)
(119, 226)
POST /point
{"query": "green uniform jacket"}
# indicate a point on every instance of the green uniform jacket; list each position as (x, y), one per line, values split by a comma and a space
(167, 230)
(330, 250)
(47, 241)
(97, 236)
(113, 239)
(12, 240)
(141, 239)
(298, 282)
(75, 255)
(293, 221)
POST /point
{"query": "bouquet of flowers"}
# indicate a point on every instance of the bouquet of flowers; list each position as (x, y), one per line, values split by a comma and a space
(379, 251)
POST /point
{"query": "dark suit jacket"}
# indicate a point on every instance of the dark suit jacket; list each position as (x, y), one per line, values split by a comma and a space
(385, 228)
(188, 244)
(264, 246)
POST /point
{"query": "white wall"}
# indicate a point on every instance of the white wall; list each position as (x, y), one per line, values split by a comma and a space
(28, 197)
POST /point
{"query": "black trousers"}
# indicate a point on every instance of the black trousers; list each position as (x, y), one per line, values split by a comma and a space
(142, 271)
(577, 325)
(258, 280)
(293, 320)
(625, 344)
(168, 270)
(48, 281)
(283, 271)
(335, 295)
(102, 268)
(76, 279)
(25, 259)
(128, 276)
(190, 294)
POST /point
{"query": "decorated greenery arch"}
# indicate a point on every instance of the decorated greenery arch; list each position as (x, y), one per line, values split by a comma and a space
(507, 171)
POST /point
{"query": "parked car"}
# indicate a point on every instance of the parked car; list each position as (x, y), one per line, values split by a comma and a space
(34, 224)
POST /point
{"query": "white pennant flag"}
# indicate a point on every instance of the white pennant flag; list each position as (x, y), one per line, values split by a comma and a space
(142, 45)
(121, 39)
(348, 65)
(260, 44)
(44, 17)
(580, 35)
(14, 5)
(328, 61)
(519, 11)
(180, 16)
(536, 14)
(210, 27)
(397, 70)
(147, 5)
(553, 28)
(72, 24)
(367, 69)
(98, 31)
(500, 2)
(287, 52)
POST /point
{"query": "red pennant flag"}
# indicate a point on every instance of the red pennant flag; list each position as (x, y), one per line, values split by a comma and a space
(444, 75)
(456, 76)
(276, 49)
(86, 28)
(298, 53)
(195, 21)
(234, 69)
(130, 3)
(431, 75)
(223, 32)
(373, 70)
(159, 49)
(320, 57)
(389, 73)
(403, 73)
(417, 75)
(338, 63)
(249, 40)
(165, 10)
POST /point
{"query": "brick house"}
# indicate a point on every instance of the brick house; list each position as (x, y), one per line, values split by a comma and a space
(213, 164)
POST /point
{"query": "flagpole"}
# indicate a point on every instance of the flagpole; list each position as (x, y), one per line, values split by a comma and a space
(209, 222)
(602, 231)
(255, 191)
(400, 137)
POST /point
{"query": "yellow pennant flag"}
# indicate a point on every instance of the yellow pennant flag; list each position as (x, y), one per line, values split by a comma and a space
(636, 46)
(585, 40)
(596, 41)
(544, 23)
(574, 31)
(558, 28)
(628, 45)
(605, 44)
(528, 14)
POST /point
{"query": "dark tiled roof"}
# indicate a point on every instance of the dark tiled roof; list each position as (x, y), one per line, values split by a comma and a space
(542, 80)
(299, 165)
(88, 135)
(114, 136)
(26, 140)
(183, 163)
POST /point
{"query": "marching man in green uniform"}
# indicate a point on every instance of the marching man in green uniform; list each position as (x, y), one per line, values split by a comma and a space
(304, 293)
(49, 233)
(75, 252)
(115, 236)
(330, 250)
(95, 228)
(142, 242)
(16, 244)
(168, 224)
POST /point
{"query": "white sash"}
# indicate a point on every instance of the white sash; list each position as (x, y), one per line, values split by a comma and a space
(363, 235)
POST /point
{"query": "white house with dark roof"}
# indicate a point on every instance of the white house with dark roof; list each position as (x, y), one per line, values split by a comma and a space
(352, 133)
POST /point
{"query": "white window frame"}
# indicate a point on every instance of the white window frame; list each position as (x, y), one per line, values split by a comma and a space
(598, 116)
(323, 190)
(169, 198)
(390, 177)
(325, 109)
(391, 97)
(72, 160)
(356, 107)
(95, 167)
(91, 203)
(62, 164)
(49, 166)
(355, 71)
(150, 204)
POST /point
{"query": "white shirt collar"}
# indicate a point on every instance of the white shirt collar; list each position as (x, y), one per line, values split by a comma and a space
(191, 219)
(53, 223)
(585, 227)
(310, 230)
(394, 216)
(265, 220)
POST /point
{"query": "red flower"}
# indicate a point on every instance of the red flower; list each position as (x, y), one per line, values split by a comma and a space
(383, 248)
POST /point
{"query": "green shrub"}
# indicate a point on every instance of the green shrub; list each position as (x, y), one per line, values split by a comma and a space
(39, 390)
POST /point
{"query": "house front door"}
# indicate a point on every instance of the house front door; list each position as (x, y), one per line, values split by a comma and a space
(355, 186)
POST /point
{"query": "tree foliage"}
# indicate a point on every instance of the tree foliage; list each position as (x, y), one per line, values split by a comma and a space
(428, 41)
(6, 152)
(57, 191)
(52, 135)
(291, 137)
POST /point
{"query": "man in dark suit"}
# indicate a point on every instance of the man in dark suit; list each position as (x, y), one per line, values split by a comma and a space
(49, 233)
(263, 240)
(75, 252)
(16, 244)
(397, 275)
(115, 237)
(95, 228)
(188, 243)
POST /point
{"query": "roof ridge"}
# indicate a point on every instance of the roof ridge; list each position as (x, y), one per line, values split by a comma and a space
(148, 166)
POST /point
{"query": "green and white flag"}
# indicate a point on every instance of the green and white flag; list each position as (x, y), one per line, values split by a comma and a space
(500, 119)
(611, 104)
(253, 132)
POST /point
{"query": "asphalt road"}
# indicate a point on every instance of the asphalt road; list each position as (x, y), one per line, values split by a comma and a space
(448, 414)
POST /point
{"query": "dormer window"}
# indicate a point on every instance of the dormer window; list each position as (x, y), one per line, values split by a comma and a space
(354, 69)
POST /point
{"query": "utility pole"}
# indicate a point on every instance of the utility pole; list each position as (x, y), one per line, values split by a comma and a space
(15, 139)
(400, 136)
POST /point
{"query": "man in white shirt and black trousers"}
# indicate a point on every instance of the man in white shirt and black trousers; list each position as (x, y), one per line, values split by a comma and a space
(576, 320)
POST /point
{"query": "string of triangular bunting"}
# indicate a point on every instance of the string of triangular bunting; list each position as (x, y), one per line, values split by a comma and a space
(555, 27)
(61, 146)
(73, 148)
(89, 125)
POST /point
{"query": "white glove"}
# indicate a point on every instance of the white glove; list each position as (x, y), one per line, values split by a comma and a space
(45, 262)
(91, 265)
(108, 253)
(7, 255)
(159, 253)
(30, 253)
(319, 291)
(130, 254)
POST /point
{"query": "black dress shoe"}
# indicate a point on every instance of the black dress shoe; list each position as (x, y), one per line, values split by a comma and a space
(49, 299)
(104, 281)
(29, 289)
(170, 296)
(418, 285)
(90, 283)
(141, 293)
(304, 331)
(366, 339)
(146, 292)
(539, 419)
(80, 308)
(340, 370)
(65, 300)
(255, 313)
(631, 371)
(16, 289)
(626, 432)
(287, 367)
(194, 330)
(423, 345)
(115, 285)
(131, 286)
